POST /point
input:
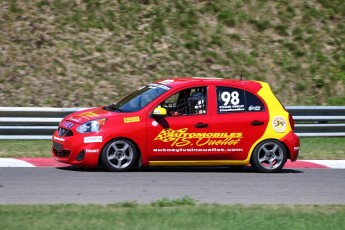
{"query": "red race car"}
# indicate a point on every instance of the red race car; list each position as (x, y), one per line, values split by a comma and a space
(182, 122)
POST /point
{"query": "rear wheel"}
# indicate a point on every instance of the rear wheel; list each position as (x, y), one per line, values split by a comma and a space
(269, 156)
(119, 155)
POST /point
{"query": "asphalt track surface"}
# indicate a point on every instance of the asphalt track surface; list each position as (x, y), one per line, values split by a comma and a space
(51, 185)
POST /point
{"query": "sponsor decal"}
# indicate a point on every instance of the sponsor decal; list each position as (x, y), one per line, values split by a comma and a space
(93, 139)
(168, 81)
(72, 119)
(66, 124)
(154, 85)
(296, 148)
(87, 115)
(230, 108)
(254, 108)
(92, 151)
(231, 102)
(181, 137)
(154, 123)
(131, 119)
(279, 124)
(177, 150)
(58, 138)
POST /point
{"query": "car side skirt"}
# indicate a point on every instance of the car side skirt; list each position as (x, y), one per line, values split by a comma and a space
(199, 163)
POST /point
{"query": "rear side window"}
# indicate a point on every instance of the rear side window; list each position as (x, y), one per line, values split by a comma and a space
(253, 103)
(230, 100)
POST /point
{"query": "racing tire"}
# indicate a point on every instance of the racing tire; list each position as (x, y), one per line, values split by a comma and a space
(119, 155)
(269, 156)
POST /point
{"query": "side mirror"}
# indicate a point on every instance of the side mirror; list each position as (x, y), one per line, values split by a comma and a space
(159, 112)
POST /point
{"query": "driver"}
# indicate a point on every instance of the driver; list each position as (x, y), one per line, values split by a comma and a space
(197, 103)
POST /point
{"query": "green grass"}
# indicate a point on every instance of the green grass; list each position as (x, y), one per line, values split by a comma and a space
(311, 148)
(25, 148)
(149, 216)
(323, 148)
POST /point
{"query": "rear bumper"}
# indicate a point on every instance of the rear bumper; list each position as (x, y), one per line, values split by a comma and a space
(292, 142)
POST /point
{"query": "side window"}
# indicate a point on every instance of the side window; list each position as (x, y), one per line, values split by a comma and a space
(189, 101)
(231, 100)
(253, 103)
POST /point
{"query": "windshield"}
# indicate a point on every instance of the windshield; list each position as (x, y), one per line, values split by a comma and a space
(139, 98)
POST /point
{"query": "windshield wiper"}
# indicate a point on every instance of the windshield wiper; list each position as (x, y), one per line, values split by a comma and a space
(112, 107)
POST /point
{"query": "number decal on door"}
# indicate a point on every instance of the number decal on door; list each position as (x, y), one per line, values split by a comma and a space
(232, 98)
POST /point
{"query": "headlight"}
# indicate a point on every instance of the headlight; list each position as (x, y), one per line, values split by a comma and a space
(91, 126)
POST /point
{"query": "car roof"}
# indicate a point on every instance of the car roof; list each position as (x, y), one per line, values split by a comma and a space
(181, 81)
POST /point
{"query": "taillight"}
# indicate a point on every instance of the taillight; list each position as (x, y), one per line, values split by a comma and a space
(292, 122)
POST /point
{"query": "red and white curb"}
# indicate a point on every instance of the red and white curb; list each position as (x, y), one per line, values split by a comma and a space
(30, 162)
(334, 164)
(50, 162)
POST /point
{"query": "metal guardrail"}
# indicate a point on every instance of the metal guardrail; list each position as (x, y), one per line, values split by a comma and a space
(31, 122)
(318, 121)
(40, 123)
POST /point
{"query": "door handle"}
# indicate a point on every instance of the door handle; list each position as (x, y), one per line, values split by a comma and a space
(201, 125)
(257, 123)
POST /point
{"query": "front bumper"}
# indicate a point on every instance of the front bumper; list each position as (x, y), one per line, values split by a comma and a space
(73, 150)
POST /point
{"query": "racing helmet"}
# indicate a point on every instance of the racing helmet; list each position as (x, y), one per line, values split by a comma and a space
(197, 102)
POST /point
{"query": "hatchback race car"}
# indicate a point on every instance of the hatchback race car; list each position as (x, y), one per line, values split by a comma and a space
(182, 122)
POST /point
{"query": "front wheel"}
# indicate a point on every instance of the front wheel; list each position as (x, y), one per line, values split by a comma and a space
(269, 156)
(119, 155)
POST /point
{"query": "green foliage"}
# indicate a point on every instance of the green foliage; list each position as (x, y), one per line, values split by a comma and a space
(336, 100)
(318, 81)
(64, 53)
(281, 29)
(227, 16)
(165, 202)
(261, 25)
(14, 8)
(128, 204)
(334, 7)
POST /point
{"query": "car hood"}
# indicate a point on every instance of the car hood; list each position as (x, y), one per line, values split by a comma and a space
(89, 114)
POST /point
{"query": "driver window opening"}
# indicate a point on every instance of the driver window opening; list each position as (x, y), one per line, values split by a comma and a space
(186, 102)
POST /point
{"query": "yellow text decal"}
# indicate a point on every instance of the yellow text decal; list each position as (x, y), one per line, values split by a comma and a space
(181, 137)
(131, 119)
